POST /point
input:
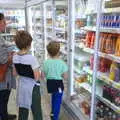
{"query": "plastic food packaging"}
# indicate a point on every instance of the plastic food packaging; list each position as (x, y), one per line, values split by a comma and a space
(112, 71)
(117, 50)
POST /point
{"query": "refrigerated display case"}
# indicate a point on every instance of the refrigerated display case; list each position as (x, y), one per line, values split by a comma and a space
(61, 16)
(96, 59)
(89, 33)
(15, 20)
(37, 33)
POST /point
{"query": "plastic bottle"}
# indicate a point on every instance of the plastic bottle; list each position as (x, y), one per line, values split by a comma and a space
(112, 71)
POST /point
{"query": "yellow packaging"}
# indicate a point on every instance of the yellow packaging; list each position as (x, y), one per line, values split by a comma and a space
(112, 71)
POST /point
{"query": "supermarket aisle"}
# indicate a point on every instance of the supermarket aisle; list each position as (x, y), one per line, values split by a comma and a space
(45, 105)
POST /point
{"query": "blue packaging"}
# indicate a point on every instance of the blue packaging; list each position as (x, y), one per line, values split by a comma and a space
(107, 21)
(113, 21)
(110, 21)
(103, 23)
(117, 21)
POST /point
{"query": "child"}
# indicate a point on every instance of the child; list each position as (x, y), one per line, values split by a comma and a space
(26, 66)
(55, 70)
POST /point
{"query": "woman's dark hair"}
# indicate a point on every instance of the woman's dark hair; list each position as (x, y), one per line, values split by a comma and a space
(1, 16)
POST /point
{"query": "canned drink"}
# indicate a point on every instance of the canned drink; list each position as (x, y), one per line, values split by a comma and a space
(107, 21)
(104, 21)
(117, 21)
(112, 23)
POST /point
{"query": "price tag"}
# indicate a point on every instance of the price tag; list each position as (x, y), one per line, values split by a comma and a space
(118, 111)
(117, 86)
(103, 77)
(111, 83)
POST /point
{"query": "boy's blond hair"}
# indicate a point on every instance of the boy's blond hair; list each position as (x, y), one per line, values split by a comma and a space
(53, 48)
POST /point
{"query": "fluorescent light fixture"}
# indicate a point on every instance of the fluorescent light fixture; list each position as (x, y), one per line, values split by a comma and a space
(11, 1)
(108, 0)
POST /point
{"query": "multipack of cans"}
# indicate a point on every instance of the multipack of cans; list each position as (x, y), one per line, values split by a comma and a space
(110, 20)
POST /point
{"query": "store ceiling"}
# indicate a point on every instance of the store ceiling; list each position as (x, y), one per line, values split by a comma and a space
(11, 1)
(21, 3)
(15, 3)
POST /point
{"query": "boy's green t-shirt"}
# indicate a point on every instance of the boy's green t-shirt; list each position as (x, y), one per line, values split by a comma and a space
(54, 68)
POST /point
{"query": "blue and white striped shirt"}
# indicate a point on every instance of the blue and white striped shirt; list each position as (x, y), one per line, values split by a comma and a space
(10, 80)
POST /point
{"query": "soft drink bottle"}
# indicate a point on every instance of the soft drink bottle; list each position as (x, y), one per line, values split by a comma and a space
(109, 45)
(92, 40)
(117, 50)
(88, 39)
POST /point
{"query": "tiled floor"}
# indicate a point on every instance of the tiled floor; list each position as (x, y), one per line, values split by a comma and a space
(45, 105)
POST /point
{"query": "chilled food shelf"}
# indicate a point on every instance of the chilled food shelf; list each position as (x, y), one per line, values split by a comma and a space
(77, 70)
(109, 56)
(104, 77)
(60, 29)
(88, 50)
(86, 117)
(81, 57)
(109, 104)
(79, 45)
(112, 10)
(74, 109)
(106, 10)
(58, 39)
(104, 55)
(61, 40)
(62, 16)
(38, 33)
(98, 95)
(38, 25)
(80, 31)
(7, 34)
(110, 30)
(86, 86)
(63, 51)
(49, 27)
(105, 30)
(50, 36)
(50, 17)
(38, 17)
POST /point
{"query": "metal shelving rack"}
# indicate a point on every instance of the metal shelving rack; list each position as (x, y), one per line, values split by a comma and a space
(37, 33)
(73, 44)
(93, 90)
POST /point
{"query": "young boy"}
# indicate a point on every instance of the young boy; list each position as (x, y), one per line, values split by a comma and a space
(55, 70)
(26, 66)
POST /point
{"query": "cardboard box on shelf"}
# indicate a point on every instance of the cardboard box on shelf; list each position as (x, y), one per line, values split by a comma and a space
(112, 4)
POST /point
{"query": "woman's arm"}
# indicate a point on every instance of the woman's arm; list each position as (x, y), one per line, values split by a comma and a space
(37, 74)
(42, 75)
(14, 72)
